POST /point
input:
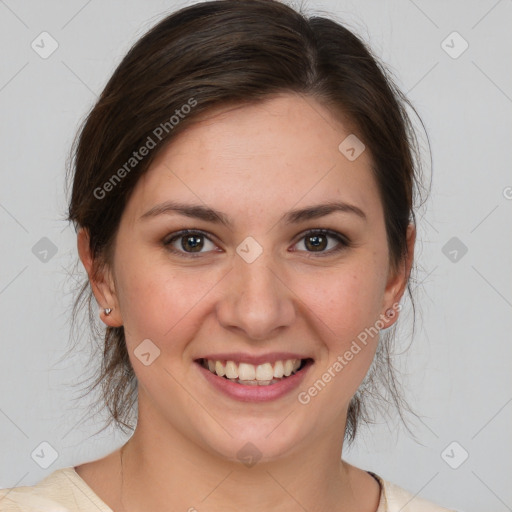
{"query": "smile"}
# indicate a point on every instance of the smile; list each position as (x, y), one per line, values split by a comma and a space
(247, 374)
(246, 382)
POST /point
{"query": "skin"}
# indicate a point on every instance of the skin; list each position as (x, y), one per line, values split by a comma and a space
(254, 163)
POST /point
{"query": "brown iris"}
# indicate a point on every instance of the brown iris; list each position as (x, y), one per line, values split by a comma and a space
(195, 242)
(316, 242)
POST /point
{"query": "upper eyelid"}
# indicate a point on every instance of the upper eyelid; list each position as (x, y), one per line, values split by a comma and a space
(184, 232)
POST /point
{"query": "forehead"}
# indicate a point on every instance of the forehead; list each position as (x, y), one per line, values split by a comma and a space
(270, 157)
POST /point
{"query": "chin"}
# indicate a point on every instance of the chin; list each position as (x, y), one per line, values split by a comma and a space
(254, 442)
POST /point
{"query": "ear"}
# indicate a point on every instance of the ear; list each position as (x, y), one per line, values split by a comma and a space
(397, 280)
(102, 283)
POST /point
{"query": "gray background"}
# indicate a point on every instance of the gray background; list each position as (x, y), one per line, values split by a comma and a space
(458, 367)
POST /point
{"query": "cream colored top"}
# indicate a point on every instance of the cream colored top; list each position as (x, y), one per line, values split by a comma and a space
(65, 491)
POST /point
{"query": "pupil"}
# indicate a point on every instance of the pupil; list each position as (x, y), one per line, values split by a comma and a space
(316, 241)
(195, 243)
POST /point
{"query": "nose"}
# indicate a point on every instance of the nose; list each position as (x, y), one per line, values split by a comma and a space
(256, 299)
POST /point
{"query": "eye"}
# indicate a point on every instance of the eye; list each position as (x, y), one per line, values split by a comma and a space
(189, 242)
(317, 240)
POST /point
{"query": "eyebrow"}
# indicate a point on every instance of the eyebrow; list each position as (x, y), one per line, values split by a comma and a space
(292, 217)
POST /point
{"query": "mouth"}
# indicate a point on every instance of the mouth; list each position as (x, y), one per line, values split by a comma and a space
(246, 374)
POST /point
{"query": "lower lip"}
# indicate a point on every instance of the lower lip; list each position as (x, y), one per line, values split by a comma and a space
(245, 393)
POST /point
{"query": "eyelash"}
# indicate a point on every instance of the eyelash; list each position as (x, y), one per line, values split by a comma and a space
(343, 242)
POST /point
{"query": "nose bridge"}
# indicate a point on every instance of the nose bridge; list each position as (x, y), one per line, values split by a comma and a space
(256, 299)
(258, 279)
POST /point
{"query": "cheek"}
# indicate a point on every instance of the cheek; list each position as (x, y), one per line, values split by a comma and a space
(346, 301)
(159, 301)
(346, 306)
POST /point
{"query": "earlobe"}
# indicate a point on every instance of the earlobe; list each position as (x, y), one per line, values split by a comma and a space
(110, 318)
(101, 284)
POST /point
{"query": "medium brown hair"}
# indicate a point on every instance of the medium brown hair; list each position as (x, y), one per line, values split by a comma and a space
(221, 53)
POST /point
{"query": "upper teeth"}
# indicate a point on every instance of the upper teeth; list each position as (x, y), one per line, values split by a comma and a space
(246, 371)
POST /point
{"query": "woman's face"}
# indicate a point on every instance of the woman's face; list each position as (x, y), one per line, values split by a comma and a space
(251, 281)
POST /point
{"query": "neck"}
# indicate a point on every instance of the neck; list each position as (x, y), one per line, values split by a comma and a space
(172, 472)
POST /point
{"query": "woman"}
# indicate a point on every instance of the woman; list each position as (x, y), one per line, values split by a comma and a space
(243, 198)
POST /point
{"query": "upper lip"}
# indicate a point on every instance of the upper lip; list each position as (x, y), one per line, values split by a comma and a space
(240, 357)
